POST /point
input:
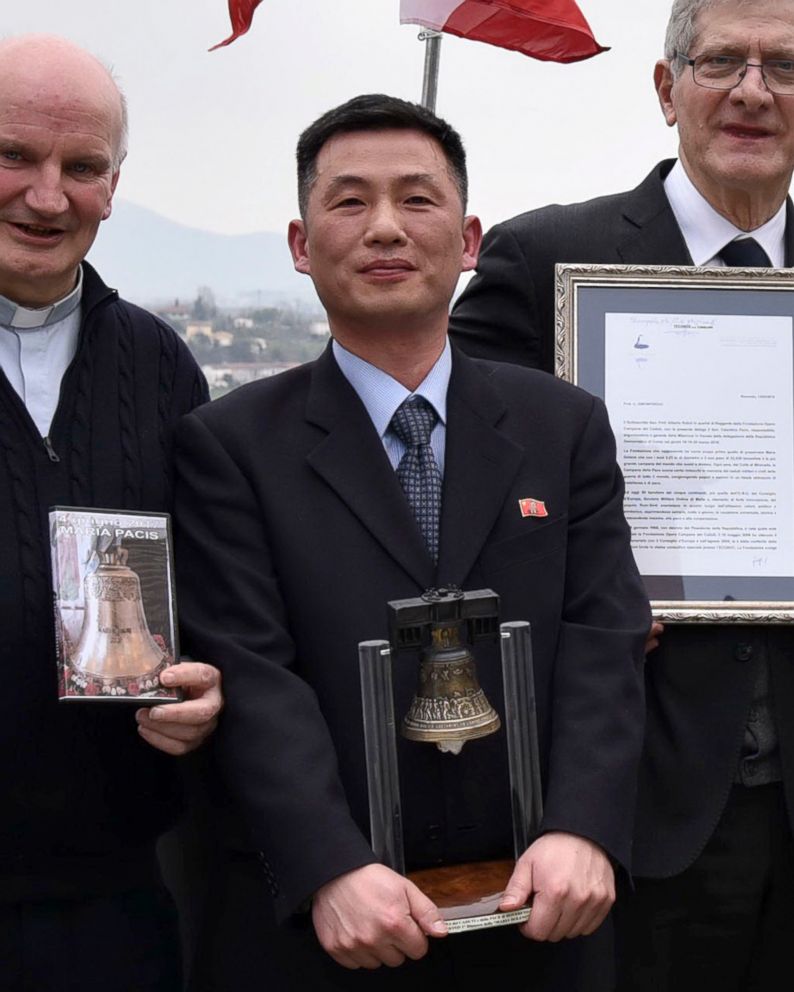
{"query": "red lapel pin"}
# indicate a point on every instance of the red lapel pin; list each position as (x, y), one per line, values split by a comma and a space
(532, 508)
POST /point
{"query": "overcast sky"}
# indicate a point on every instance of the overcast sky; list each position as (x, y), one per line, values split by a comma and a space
(213, 134)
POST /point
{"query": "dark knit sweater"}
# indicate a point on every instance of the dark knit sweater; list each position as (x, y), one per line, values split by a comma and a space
(82, 796)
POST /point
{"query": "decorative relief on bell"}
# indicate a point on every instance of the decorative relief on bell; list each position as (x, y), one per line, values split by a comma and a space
(449, 707)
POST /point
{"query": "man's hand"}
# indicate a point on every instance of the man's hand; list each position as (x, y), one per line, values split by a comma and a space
(373, 916)
(657, 629)
(178, 728)
(572, 882)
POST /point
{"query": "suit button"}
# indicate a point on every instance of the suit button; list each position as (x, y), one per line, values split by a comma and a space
(433, 831)
(743, 652)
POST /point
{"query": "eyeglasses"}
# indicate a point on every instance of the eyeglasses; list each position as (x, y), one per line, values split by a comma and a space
(722, 72)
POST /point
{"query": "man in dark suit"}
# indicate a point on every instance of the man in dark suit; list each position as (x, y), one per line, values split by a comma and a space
(717, 776)
(288, 494)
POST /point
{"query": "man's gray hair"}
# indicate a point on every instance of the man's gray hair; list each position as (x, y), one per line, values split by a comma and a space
(124, 131)
(681, 28)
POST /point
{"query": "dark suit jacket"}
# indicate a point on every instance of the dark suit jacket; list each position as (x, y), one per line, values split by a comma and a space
(293, 535)
(699, 682)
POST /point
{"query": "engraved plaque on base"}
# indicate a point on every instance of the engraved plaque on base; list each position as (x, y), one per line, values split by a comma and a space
(468, 895)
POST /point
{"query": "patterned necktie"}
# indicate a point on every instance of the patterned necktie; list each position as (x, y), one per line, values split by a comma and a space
(418, 473)
(745, 253)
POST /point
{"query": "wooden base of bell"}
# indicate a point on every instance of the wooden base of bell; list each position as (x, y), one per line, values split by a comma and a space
(468, 895)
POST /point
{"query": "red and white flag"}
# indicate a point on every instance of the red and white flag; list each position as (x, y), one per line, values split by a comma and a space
(241, 13)
(550, 30)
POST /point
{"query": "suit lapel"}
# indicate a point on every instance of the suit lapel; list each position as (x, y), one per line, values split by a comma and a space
(480, 464)
(352, 461)
(651, 235)
(789, 235)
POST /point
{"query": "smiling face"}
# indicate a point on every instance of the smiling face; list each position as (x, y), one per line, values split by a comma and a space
(60, 125)
(740, 140)
(384, 237)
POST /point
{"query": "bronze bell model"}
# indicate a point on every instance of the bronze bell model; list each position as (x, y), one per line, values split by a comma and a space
(449, 707)
(114, 641)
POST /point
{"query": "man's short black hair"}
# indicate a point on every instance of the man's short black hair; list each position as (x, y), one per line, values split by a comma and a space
(377, 112)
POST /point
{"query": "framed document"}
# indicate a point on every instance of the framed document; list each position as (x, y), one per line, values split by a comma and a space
(696, 367)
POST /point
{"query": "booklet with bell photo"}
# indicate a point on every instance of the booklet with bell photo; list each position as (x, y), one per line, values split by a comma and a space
(115, 611)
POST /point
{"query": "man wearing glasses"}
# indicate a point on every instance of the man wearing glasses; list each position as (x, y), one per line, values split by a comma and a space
(713, 855)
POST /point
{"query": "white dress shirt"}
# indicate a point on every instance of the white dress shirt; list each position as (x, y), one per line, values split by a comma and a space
(706, 232)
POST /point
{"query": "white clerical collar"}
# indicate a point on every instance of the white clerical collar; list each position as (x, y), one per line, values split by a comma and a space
(25, 318)
(706, 232)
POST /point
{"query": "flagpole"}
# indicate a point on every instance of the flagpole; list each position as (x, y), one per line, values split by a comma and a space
(432, 40)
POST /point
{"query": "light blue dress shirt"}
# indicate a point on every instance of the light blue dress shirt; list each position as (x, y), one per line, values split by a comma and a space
(381, 395)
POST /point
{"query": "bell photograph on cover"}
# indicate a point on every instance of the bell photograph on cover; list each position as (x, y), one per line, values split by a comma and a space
(115, 615)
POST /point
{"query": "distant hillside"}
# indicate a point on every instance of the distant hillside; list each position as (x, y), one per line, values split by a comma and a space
(149, 258)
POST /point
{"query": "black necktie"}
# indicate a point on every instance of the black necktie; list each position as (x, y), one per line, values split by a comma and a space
(418, 473)
(745, 253)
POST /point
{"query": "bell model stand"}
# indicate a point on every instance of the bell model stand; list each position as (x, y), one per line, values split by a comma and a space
(449, 710)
